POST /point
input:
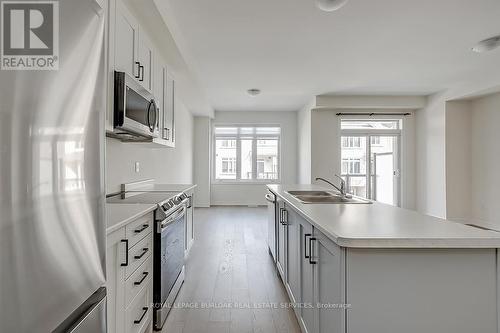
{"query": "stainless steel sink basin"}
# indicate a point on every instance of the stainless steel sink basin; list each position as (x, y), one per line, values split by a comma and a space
(324, 197)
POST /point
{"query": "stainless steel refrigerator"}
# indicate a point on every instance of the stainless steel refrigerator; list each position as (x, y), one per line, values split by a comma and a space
(52, 228)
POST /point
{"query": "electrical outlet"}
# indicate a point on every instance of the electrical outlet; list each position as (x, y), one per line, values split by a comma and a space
(137, 167)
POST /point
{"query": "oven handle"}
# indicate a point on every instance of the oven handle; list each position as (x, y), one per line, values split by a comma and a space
(165, 223)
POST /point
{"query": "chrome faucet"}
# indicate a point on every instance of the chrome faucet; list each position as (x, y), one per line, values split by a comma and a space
(342, 188)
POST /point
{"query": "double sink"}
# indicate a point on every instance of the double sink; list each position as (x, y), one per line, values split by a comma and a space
(325, 197)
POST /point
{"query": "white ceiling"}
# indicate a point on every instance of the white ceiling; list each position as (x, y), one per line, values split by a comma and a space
(292, 51)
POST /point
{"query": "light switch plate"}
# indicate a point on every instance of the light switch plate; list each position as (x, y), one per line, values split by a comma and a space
(137, 167)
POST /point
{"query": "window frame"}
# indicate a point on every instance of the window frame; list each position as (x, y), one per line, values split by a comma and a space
(238, 138)
(398, 133)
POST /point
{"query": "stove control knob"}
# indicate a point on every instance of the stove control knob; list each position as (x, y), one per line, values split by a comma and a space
(177, 199)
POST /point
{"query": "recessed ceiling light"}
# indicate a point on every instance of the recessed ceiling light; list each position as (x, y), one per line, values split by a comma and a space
(487, 44)
(253, 92)
(330, 5)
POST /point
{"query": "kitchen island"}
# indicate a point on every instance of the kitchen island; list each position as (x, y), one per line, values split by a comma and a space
(379, 268)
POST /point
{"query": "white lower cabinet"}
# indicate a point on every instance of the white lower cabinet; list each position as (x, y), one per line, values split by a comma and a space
(281, 238)
(129, 284)
(314, 275)
(328, 284)
(139, 313)
(293, 261)
(307, 314)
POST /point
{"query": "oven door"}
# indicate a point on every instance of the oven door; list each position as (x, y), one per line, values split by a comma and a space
(169, 263)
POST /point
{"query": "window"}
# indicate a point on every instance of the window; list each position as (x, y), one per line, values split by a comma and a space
(375, 140)
(351, 142)
(228, 165)
(370, 158)
(228, 143)
(246, 153)
(351, 166)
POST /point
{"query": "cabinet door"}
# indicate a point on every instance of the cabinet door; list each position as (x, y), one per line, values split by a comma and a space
(126, 41)
(115, 280)
(158, 89)
(146, 59)
(328, 284)
(293, 256)
(168, 106)
(307, 313)
(281, 227)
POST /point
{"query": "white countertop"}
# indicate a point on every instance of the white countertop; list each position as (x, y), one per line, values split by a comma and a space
(383, 226)
(118, 215)
(153, 187)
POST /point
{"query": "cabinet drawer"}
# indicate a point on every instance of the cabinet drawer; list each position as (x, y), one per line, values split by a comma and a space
(138, 279)
(136, 230)
(138, 315)
(138, 254)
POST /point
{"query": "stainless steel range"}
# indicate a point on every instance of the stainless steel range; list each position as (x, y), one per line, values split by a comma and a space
(168, 246)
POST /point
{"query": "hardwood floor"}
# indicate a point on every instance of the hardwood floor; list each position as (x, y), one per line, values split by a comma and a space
(229, 263)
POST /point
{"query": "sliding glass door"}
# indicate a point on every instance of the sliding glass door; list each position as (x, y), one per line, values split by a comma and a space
(370, 160)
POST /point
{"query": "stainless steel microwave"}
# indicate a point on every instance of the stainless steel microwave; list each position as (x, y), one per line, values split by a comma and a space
(135, 110)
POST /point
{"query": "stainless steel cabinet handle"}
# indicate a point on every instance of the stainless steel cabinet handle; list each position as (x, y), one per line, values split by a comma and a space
(311, 261)
(141, 229)
(144, 276)
(145, 310)
(144, 251)
(138, 70)
(285, 217)
(126, 252)
(280, 218)
(305, 247)
(141, 70)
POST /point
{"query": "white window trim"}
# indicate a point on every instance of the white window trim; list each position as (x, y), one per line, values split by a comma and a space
(239, 181)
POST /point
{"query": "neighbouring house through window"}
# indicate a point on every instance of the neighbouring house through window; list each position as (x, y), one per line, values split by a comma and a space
(246, 153)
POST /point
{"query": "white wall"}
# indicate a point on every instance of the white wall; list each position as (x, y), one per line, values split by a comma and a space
(202, 149)
(325, 144)
(431, 173)
(370, 102)
(304, 143)
(458, 159)
(326, 149)
(485, 147)
(165, 165)
(244, 194)
(431, 140)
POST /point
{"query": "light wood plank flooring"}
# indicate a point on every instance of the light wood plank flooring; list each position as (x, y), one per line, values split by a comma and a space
(229, 263)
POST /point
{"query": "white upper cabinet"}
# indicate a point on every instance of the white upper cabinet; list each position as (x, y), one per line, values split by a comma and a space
(126, 41)
(146, 61)
(169, 108)
(134, 53)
